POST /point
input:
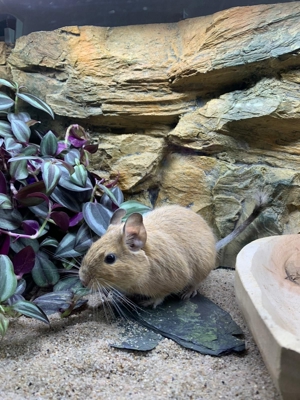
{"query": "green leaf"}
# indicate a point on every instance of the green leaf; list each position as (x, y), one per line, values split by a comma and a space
(8, 280)
(12, 146)
(109, 194)
(49, 143)
(58, 302)
(44, 272)
(49, 242)
(4, 322)
(66, 199)
(18, 169)
(79, 177)
(11, 85)
(66, 247)
(5, 129)
(132, 206)
(36, 102)
(5, 202)
(51, 174)
(72, 283)
(18, 244)
(20, 130)
(97, 217)
(5, 102)
(10, 219)
(84, 239)
(30, 310)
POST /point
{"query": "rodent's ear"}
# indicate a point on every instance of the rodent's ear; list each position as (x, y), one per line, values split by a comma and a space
(134, 232)
(117, 216)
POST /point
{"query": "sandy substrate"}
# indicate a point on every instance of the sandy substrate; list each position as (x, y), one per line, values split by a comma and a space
(73, 360)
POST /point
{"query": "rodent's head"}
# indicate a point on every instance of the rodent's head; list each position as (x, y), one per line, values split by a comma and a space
(117, 260)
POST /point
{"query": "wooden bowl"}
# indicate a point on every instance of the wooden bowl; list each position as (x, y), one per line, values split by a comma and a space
(267, 286)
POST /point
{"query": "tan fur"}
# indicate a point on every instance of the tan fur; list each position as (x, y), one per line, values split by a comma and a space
(178, 254)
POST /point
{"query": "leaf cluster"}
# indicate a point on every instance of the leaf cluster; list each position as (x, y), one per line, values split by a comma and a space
(52, 208)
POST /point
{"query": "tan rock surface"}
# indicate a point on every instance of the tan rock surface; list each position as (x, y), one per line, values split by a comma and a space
(203, 112)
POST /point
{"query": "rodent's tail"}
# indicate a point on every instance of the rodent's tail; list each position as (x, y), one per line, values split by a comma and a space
(262, 200)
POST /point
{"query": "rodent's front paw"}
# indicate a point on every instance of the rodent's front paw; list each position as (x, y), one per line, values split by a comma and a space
(152, 302)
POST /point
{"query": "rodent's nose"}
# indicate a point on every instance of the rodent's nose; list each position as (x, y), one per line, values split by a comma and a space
(84, 278)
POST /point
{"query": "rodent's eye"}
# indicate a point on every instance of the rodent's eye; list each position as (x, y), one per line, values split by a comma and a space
(110, 258)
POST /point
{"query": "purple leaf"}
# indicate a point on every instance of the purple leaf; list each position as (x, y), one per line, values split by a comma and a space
(75, 219)
(24, 261)
(61, 219)
(3, 183)
(4, 244)
(91, 148)
(31, 195)
(61, 146)
(74, 139)
(30, 226)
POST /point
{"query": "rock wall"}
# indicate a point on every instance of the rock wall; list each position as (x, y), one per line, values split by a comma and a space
(204, 112)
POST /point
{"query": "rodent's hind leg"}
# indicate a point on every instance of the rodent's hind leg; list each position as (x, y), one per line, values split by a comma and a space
(188, 292)
(152, 302)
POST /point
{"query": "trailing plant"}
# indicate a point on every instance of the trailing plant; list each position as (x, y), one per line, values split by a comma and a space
(52, 208)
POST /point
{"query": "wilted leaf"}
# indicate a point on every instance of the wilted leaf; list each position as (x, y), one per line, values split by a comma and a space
(65, 248)
(36, 102)
(8, 280)
(44, 272)
(49, 144)
(51, 175)
(30, 310)
(5, 101)
(58, 302)
(91, 148)
(61, 219)
(97, 217)
(10, 219)
(24, 261)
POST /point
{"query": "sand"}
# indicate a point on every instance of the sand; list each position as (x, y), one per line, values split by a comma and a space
(73, 360)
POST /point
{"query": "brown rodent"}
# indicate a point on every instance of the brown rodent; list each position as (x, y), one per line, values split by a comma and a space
(169, 250)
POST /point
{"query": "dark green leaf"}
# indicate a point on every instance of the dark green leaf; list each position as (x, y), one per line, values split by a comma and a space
(8, 280)
(36, 102)
(109, 193)
(5, 202)
(71, 283)
(48, 146)
(20, 130)
(66, 199)
(49, 242)
(44, 272)
(97, 217)
(79, 177)
(84, 239)
(5, 102)
(7, 83)
(30, 310)
(4, 322)
(65, 248)
(67, 184)
(18, 169)
(12, 146)
(51, 175)
(10, 219)
(5, 129)
(19, 244)
(72, 156)
(132, 206)
(106, 200)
